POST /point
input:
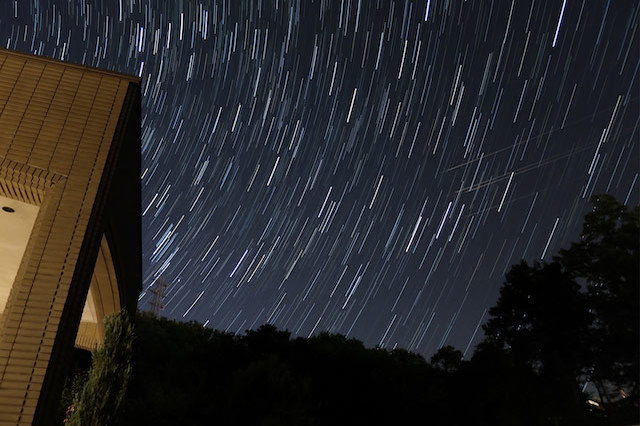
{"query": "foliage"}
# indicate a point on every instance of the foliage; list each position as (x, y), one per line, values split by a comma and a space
(74, 382)
(105, 388)
(447, 358)
(607, 259)
(575, 320)
(554, 327)
(541, 317)
(188, 374)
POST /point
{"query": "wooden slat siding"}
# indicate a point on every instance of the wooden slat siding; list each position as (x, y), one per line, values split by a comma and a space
(3, 57)
(56, 119)
(9, 73)
(34, 115)
(76, 123)
(88, 336)
(40, 109)
(96, 292)
(111, 275)
(105, 287)
(14, 109)
(35, 181)
(17, 320)
(69, 65)
(85, 267)
(79, 170)
(56, 126)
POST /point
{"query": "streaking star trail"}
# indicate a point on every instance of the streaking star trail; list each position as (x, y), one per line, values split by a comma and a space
(369, 168)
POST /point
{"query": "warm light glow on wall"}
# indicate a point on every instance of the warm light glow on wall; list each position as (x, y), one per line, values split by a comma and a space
(16, 222)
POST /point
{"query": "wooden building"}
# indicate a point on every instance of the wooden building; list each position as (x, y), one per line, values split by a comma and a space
(70, 243)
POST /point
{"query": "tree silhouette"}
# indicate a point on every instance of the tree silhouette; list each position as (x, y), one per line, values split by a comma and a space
(575, 320)
(447, 358)
(606, 260)
(554, 327)
(541, 317)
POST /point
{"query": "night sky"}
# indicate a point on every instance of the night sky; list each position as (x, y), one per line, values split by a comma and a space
(369, 168)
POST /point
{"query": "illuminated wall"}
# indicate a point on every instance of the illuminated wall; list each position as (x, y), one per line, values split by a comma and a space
(69, 220)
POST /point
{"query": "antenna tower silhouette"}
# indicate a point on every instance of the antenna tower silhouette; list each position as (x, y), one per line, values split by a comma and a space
(157, 296)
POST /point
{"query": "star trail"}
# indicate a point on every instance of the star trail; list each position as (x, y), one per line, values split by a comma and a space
(370, 168)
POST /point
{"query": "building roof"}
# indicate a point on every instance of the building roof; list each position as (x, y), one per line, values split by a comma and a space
(30, 57)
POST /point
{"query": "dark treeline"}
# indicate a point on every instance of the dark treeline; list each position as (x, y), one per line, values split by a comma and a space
(560, 347)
